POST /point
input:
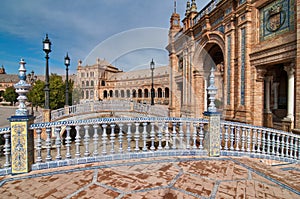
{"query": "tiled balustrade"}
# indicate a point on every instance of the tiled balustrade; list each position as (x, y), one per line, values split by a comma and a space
(102, 139)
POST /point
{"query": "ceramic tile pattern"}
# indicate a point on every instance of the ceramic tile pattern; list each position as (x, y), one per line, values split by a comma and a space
(170, 177)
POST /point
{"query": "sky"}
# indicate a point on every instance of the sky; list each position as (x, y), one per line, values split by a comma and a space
(126, 33)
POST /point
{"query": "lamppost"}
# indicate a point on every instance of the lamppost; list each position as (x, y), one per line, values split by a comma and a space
(152, 64)
(47, 50)
(67, 63)
(31, 79)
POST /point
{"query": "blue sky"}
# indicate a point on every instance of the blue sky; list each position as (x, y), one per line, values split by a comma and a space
(127, 33)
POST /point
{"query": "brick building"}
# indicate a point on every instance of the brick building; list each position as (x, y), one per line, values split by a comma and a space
(255, 49)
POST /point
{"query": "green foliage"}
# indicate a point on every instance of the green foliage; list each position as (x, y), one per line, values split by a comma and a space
(10, 95)
(57, 92)
(36, 95)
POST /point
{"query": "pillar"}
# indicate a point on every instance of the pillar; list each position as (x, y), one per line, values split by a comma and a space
(268, 118)
(22, 144)
(214, 123)
(290, 101)
(275, 90)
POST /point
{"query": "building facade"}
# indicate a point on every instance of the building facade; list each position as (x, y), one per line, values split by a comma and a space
(254, 48)
(103, 81)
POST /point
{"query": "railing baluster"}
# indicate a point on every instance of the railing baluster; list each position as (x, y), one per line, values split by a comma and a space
(231, 138)
(68, 143)
(258, 140)
(287, 146)
(159, 135)
(273, 143)
(221, 136)
(278, 144)
(174, 135)
(268, 143)
(104, 139)
(180, 136)
(152, 135)
(201, 136)
(248, 139)
(96, 139)
(291, 146)
(194, 135)
(167, 136)
(7, 149)
(48, 144)
(58, 143)
(237, 140)
(121, 138)
(226, 138)
(296, 148)
(243, 139)
(145, 136)
(86, 140)
(188, 135)
(39, 145)
(129, 137)
(282, 145)
(263, 141)
(77, 142)
(112, 138)
(254, 136)
(137, 136)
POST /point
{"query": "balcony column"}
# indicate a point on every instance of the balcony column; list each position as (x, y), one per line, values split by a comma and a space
(290, 101)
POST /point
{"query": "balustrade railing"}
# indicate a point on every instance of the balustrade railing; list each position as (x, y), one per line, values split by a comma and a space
(238, 137)
(73, 142)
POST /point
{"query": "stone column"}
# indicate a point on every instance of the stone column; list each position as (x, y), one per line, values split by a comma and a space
(258, 114)
(213, 139)
(22, 144)
(290, 102)
(268, 118)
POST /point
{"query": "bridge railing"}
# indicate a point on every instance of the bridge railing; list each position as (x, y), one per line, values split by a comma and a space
(107, 106)
(65, 143)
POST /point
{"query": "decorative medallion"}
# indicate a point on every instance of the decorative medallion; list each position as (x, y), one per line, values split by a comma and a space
(19, 146)
(276, 18)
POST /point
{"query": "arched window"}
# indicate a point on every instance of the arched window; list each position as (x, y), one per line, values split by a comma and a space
(128, 93)
(102, 83)
(159, 93)
(140, 93)
(92, 94)
(105, 94)
(146, 93)
(133, 93)
(87, 95)
(92, 83)
(82, 83)
(82, 94)
(122, 94)
(87, 83)
(167, 94)
(116, 93)
(111, 94)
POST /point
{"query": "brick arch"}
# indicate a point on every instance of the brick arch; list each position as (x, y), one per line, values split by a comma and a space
(208, 40)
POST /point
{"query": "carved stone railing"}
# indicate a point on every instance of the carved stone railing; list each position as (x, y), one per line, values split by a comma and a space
(108, 106)
(65, 143)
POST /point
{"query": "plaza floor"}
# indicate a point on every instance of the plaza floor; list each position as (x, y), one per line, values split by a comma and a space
(166, 177)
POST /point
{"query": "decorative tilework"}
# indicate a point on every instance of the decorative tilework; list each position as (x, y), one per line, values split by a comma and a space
(276, 18)
(228, 68)
(243, 56)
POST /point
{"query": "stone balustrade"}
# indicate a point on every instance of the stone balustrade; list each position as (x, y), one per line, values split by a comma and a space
(65, 143)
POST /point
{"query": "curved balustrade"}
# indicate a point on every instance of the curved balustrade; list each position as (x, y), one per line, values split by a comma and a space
(108, 106)
(240, 139)
(82, 141)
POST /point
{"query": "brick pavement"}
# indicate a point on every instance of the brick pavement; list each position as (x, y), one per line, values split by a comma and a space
(171, 177)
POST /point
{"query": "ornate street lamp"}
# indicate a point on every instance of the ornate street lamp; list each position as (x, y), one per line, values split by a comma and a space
(67, 63)
(152, 64)
(47, 50)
